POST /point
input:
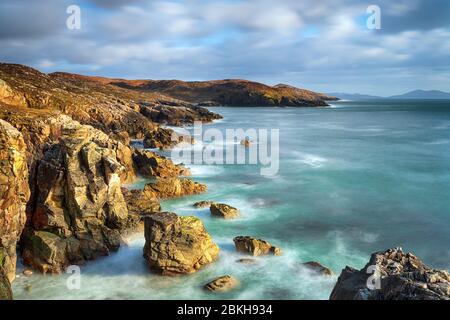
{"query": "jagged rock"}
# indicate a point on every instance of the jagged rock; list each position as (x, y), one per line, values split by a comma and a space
(161, 138)
(79, 206)
(14, 194)
(402, 276)
(223, 211)
(177, 245)
(255, 247)
(222, 284)
(318, 268)
(138, 203)
(203, 204)
(173, 187)
(5, 287)
(150, 164)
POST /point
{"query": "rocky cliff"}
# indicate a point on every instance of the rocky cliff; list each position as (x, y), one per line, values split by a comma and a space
(14, 195)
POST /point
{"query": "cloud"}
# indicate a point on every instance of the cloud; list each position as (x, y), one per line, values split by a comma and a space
(322, 45)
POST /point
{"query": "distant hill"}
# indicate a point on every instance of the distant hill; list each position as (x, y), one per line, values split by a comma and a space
(423, 94)
(353, 96)
(415, 94)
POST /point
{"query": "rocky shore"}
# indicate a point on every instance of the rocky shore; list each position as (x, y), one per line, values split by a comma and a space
(66, 155)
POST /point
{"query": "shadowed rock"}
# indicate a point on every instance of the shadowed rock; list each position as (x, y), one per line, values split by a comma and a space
(173, 187)
(5, 287)
(399, 276)
(203, 204)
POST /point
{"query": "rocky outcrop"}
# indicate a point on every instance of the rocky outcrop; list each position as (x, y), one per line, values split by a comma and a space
(203, 204)
(139, 203)
(224, 211)
(222, 284)
(177, 245)
(5, 287)
(318, 268)
(14, 194)
(173, 187)
(150, 164)
(398, 276)
(78, 207)
(255, 247)
(161, 138)
(178, 115)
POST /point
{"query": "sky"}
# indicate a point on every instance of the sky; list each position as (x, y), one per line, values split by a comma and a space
(324, 46)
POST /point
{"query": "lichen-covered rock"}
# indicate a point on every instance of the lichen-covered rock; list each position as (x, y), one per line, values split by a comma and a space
(224, 211)
(5, 287)
(398, 276)
(255, 247)
(150, 164)
(318, 268)
(177, 245)
(79, 207)
(173, 187)
(14, 194)
(222, 284)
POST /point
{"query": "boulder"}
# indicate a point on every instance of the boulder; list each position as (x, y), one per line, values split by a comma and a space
(14, 195)
(203, 204)
(224, 211)
(173, 187)
(398, 276)
(139, 203)
(177, 245)
(255, 247)
(78, 208)
(318, 268)
(222, 284)
(5, 287)
(150, 164)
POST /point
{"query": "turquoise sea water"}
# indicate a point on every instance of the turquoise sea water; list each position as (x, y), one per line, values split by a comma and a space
(355, 178)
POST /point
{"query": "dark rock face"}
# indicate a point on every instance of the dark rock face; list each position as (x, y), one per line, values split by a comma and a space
(149, 164)
(177, 245)
(222, 284)
(5, 287)
(403, 276)
(14, 194)
(255, 247)
(79, 208)
(224, 211)
(178, 116)
(163, 138)
(139, 205)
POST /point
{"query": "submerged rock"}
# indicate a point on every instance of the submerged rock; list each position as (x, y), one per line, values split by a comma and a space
(203, 204)
(177, 245)
(173, 187)
(223, 211)
(14, 194)
(5, 287)
(402, 276)
(247, 261)
(255, 247)
(222, 284)
(150, 164)
(318, 268)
